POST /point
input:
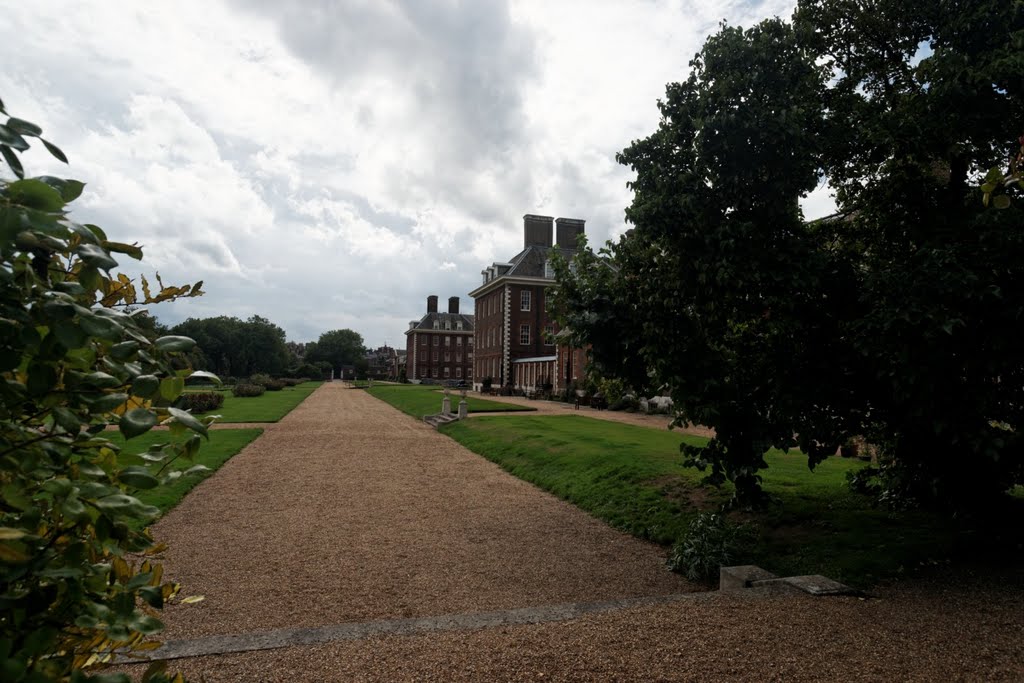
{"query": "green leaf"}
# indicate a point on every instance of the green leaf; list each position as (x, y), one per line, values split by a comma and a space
(12, 161)
(146, 386)
(136, 422)
(107, 402)
(95, 256)
(67, 420)
(35, 194)
(101, 380)
(104, 328)
(987, 188)
(24, 127)
(132, 250)
(137, 477)
(124, 350)
(54, 150)
(203, 374)
(69, 189)
(188, 420)
(174, 343)
(1001, 201)
(171, 388)
(9, 136)
(69, 334)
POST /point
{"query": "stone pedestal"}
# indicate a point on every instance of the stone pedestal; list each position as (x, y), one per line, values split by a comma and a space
(463, 409)
(446, 404)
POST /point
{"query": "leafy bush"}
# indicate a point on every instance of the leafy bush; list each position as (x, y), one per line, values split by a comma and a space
(247, 390)
(626, 402)
(293, 381)
(201, 401)
(77, 581)
(710, 542)
(275, 385)
(261, 379)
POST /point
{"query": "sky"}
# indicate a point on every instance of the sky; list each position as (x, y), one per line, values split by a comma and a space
(329, 164)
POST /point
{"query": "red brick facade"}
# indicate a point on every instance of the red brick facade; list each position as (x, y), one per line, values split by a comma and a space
(515, 345)
(439, 346)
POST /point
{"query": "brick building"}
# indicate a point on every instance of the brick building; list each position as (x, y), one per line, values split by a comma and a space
(515, 335)
(439, 346)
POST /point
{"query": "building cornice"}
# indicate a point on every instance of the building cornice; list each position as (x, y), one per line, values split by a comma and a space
(509, 280)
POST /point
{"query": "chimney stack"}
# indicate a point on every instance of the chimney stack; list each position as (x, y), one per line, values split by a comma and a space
(453, 304)
(567, 230)
(432, 303)
(536, 230)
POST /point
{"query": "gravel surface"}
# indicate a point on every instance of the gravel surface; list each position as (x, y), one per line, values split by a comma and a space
(912, 633)
(349, 511)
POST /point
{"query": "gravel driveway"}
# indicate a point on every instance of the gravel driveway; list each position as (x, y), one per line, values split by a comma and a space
(349, 511)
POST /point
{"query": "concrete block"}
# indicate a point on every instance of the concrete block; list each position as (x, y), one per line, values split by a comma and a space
(743, 576)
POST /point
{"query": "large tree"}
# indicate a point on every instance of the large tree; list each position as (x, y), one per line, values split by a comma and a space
(230, 346)
(339, 348)
(898, 318)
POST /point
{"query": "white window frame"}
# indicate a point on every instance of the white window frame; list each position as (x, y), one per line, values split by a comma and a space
(524, 333)
(525, 300)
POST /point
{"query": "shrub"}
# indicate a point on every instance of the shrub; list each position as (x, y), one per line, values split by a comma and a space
(293, 381)
(627, 402)
(275, 384)
(261, 379)
(201, 401)
(248, 390)
(710, 542)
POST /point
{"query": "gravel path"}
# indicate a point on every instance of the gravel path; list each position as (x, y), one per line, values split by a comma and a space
(348, 511)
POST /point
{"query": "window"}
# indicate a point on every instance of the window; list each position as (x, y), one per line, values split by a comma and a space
(524, 334)
(458, 358)
(447, 324)
(435, 372)
(447, 372)
(423, 372)
(458, 373)
(458, 341)
(423, 340)
(435, 356)
(549, 335)
(549, 270)
(470, 341)
(437, 323)
(524, 300)
(447, 341)
(458, 324)
(447, 356)
(437, 341)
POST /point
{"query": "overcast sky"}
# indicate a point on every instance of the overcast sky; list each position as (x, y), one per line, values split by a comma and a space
(328, 164)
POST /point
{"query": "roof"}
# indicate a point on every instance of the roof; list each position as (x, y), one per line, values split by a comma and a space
(426, 323)
(528, 264)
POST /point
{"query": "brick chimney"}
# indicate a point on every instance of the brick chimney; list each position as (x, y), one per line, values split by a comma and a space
(453, 304)
(536, 230)
(432, 303)
(567, 230)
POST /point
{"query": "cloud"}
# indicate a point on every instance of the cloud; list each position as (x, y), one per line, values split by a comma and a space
(330, 163)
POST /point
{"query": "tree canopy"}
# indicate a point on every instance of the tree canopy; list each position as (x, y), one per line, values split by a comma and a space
(229, 346)
(898, 318)
(339, 348)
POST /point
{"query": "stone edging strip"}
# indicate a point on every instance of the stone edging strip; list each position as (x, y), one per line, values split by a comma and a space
(290, 637)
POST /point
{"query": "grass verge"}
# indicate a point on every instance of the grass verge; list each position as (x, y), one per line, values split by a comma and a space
(418, 400)
(271, 406)
(223, 444)
(632, 478)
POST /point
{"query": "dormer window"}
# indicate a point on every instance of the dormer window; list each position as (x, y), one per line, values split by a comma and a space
(549, 270)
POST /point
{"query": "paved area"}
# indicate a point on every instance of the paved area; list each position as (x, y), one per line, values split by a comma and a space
(399, 555)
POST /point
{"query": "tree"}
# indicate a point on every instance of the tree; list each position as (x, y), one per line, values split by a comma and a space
(230, 346)
(337, 347)
(896, 319)
(77, 579)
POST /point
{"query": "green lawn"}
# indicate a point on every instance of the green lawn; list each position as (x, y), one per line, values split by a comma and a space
(270, 407)
(223, 444)
(425, 399)
(631, 477)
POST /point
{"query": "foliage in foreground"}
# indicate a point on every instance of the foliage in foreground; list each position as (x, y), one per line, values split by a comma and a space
(710, 542)
(77, 579)
(897, 319)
